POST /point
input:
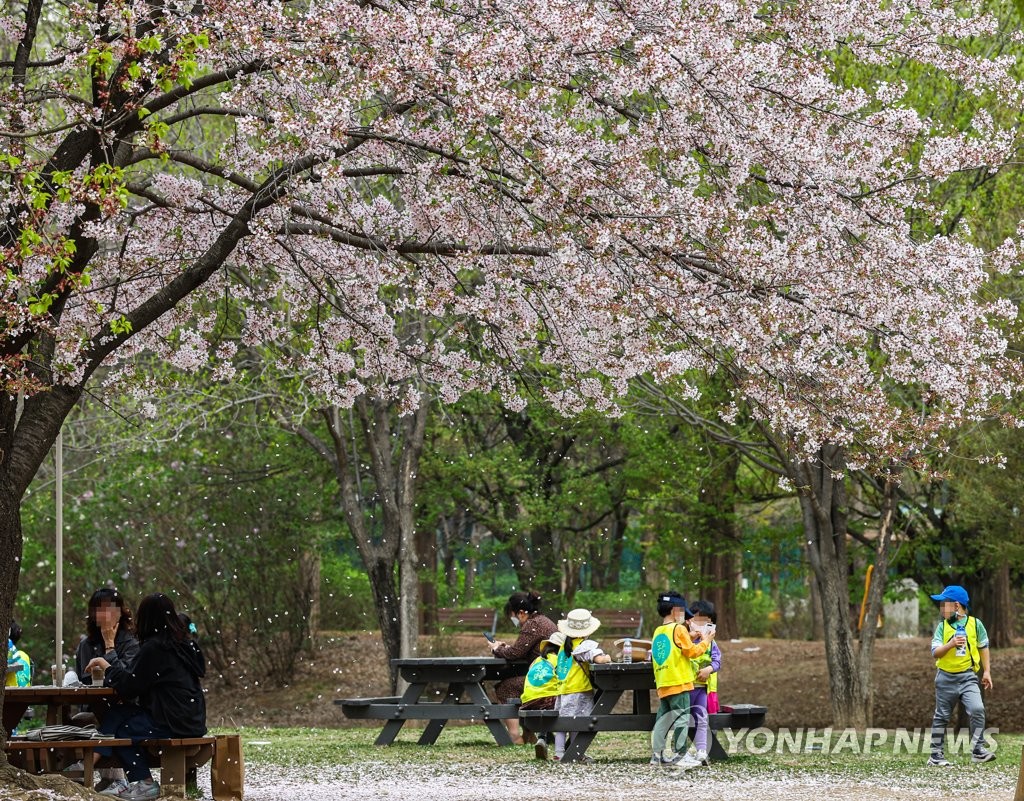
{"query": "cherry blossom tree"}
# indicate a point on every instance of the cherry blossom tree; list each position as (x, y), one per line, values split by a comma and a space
(604, 189)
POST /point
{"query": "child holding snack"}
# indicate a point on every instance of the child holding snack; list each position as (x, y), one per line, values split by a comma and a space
(705, 680)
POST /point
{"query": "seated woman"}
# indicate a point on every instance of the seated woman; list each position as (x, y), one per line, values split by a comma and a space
(523, 609)
(165, 679)
(108, 626)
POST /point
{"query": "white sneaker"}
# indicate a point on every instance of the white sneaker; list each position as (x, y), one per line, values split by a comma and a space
(701, 756)
(683, 762)
(142, 790)
(115, 788)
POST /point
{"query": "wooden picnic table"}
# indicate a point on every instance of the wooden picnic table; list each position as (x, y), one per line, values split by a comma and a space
(611, 682)
(461, 676)
(55, 699)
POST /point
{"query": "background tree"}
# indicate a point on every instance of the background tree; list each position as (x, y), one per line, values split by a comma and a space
(610, 193)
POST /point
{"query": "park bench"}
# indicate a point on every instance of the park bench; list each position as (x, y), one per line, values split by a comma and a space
(612, 682)
(479, 618)
(52, 756)
(176, 758)
(627, 623)
(463, 697)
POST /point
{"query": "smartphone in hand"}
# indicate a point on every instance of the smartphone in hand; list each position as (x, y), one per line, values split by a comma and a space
(489, 636)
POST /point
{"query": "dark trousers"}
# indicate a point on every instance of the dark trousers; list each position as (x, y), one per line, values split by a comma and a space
(131, 722)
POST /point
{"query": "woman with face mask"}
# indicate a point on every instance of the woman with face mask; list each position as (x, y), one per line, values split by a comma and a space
(523, 609)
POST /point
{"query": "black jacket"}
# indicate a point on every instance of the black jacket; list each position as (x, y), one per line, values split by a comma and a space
(165, 678)
(125, 643)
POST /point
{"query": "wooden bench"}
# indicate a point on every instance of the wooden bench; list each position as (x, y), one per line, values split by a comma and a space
(364, 707)
(176, 758)
(628, 623)
(480, 618)
(52, 756)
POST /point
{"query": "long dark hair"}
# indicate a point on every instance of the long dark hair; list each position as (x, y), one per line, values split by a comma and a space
(111, 596)
(528, 602)
(156, 616)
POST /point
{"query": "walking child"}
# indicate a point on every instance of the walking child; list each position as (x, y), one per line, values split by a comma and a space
(960, 648)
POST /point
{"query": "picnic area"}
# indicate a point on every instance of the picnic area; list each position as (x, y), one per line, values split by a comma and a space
(297, 742)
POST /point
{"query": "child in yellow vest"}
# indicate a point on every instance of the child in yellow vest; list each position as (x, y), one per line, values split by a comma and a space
(575, 657)
(19, 666)
(960, 648)
(705, 679)
(671, 652)
(542, 688)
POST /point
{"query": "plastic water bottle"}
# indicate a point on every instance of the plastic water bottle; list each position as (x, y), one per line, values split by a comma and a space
(961, 630)
(627, 651)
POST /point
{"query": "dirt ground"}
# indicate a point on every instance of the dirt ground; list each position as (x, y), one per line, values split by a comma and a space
(789, 677)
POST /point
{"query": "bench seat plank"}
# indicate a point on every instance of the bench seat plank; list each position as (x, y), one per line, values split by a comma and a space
(52, 756)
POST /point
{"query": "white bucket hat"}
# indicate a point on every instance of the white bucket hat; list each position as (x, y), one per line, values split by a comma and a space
(579, 623)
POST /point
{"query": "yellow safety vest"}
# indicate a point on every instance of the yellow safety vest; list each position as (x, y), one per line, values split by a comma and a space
(573, 674)
(699, 664)
(541, 680)
(671, 668)
(950, 662)
(23, 676)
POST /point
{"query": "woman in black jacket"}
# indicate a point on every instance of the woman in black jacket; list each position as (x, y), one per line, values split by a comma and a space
(108, 625)
(165, 679)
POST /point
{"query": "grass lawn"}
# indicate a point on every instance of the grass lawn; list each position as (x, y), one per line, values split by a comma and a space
(313, 764)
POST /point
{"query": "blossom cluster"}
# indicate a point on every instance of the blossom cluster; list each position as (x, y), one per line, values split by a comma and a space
(457, 195)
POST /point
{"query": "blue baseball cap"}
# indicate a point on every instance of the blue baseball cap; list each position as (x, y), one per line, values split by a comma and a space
(953, 592)
(673, 598)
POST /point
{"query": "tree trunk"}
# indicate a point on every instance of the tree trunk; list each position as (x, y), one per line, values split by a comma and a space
(393, 503)
(381, 572)
(476, 537)
(546, 576)
(719, 568)
(720, 581)
(427, 550)
(11, 542)
(817, 619)
(876, 595)
(309, 573)
(821, 488)
(992, 602)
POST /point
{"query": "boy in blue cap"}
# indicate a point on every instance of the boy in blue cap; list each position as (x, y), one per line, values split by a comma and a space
(960, 648)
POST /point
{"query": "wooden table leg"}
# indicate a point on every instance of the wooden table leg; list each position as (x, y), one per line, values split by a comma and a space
(478, 695)
(89, 758)
(393, 727)
(604, 703)
(435, 727)
(172, 770)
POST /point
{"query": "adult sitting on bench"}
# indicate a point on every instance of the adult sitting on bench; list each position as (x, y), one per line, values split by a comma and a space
(165, 678)
(523, 608)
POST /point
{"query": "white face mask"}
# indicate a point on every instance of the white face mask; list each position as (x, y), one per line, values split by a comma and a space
(515, 621)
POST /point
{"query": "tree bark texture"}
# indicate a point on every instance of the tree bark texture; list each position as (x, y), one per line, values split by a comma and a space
(382, 521)
(822, 494)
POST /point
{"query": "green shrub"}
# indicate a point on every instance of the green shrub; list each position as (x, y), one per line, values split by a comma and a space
(755, 613)
(346, 601)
